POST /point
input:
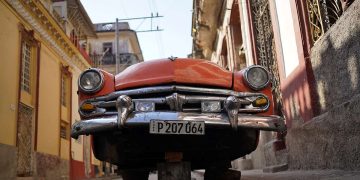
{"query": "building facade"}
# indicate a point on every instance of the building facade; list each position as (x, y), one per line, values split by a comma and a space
(305, 45)
(41, 60)
(102, 49)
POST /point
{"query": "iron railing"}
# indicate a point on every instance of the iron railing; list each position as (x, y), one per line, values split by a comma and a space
(323, 14)
(265, 45)
(110, 59)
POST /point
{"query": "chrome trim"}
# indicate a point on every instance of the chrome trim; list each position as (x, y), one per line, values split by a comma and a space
(96, 112)
(124, 108)
(172, 88)
(247, 78)
(96, 89)
(232, 105)
(214, 120)
(91, 126)
(176, 101)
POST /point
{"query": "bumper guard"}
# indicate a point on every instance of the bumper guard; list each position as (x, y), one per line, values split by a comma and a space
(127, 118)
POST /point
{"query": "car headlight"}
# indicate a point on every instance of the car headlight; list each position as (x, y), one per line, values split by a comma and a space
(210, 106)
(91, 81)
(257, 77)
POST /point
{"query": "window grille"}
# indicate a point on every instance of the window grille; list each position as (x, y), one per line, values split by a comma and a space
(63, 131)
(265, 45)
(323, 14)
(107, 47)
(26, 67)
(63, 90)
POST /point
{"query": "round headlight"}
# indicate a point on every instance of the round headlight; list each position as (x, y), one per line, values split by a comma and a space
(257, 77)
(91, 81)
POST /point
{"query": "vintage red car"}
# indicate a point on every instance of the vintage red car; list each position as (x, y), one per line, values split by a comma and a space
(208, 114)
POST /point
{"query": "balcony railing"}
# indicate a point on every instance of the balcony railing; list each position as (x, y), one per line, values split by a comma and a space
(126, 59)
(323, 14)
(60, 20)
(82, 51)
(104, 27)
(86, 56)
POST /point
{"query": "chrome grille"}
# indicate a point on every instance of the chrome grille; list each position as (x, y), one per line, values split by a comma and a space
(175, 98)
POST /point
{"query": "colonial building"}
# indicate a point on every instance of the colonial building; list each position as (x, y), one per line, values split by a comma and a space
(103, 48)
(310, 48)
(41, 60)
(222, 34)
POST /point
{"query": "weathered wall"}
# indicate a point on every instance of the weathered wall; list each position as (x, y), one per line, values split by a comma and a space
(8, 161)
(77, 151)
(78, 171)
(9, 74)
(258, 156)
(331, 140)
(51, 167)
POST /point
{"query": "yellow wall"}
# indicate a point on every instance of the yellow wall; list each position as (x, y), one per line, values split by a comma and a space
(49, 103)
(48, 129)
(76, 148)
(65, 145)
(48, 136)
(9, 74)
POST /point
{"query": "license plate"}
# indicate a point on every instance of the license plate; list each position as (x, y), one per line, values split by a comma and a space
(177, 127)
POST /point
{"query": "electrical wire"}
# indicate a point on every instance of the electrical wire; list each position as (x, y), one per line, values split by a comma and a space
(123, 9)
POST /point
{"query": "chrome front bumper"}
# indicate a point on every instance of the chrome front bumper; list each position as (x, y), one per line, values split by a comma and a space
(216, 120)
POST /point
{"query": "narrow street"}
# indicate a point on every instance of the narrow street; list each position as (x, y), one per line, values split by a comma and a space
(269, 89)
(285, 175)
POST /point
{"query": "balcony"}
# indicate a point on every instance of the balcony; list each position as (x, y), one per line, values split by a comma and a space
(75, 40)
(60, 20)
(110, 27)
(323, 14)
(107, 61)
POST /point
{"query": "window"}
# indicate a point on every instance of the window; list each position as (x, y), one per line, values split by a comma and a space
(63, 132)
(224, 55)
(29, 48)
(63, 90)
(65, 102)
(65, 86)
(107, 47)
(108, 57)
(26, 67)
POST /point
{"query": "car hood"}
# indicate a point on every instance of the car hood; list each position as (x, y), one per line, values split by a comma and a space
(179, 71)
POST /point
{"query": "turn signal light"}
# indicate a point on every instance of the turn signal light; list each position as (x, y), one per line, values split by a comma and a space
(260, 101)
(87, 107)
